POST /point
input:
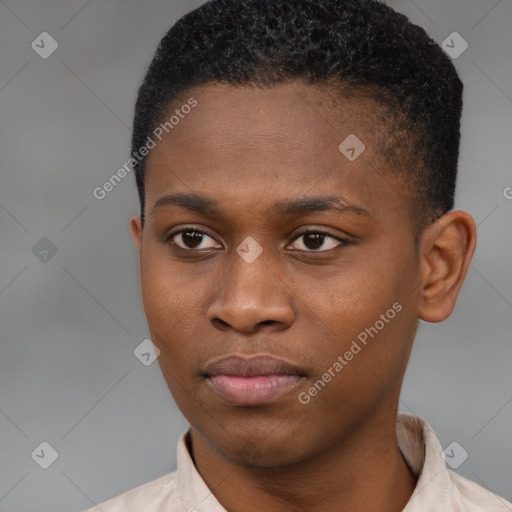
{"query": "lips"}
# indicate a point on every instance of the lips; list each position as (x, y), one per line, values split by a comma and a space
(252, 380)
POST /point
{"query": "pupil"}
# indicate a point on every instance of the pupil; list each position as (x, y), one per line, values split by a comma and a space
(315, 238)
(196, 238)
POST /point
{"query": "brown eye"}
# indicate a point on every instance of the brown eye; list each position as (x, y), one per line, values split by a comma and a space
(313, 241)
(190, 239)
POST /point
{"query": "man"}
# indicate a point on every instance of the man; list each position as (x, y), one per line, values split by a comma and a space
(296, 164)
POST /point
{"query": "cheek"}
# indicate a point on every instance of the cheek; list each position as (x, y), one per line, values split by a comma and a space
(350, 300)
(172, 303)
(155, 288)
(167, 295)
(367, 318)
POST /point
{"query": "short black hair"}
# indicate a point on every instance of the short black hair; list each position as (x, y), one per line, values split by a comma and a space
(353, 47)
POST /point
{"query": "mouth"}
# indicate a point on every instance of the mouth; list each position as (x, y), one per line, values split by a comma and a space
(252, 380)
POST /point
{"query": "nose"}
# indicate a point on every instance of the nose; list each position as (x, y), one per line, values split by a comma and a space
(251, 296)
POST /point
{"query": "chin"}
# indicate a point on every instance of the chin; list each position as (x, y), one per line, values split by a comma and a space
(251, 455)
(258, 447)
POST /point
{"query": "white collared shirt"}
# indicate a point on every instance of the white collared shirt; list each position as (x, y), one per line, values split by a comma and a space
(438, 489)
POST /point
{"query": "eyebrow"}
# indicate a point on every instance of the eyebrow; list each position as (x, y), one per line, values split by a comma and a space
(295, 207)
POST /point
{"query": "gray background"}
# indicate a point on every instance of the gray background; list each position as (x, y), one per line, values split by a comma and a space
(69, 326)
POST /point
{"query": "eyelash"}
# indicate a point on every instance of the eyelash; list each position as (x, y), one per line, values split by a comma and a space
(192, 229)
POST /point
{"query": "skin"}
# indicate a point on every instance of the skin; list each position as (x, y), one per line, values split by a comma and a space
(249, 148)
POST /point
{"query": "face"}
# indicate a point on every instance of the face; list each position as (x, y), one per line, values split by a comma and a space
(279, 275)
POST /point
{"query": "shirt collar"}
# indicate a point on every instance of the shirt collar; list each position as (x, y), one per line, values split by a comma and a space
(192, 489)
(416, 440)
(422, 451)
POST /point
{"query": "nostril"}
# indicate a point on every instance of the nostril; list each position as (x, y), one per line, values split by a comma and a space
(220, 323)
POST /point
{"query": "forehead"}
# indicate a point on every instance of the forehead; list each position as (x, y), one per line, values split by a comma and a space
(247, 143)
(289, 114)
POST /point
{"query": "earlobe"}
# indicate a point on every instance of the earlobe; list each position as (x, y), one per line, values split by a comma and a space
(447, 248)
(136, 229)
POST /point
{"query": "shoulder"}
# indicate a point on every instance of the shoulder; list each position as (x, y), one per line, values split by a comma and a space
(438, 487)
(472, 497)
(162, 490)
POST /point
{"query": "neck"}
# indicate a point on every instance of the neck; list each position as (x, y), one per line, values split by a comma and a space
(364, 473)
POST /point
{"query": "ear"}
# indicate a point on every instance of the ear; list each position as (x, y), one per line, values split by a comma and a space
(136, 229)
(447, 247)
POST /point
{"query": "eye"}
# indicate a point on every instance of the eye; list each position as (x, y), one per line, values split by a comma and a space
(191, 238)
(314, 240)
